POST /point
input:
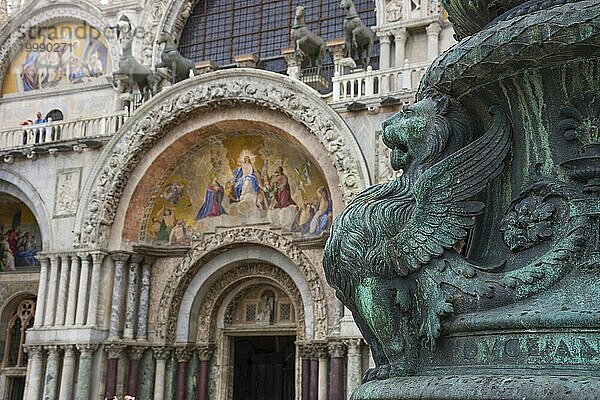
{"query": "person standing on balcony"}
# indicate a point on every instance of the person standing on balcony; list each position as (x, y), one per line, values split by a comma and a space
(24, 124)
(39, 120)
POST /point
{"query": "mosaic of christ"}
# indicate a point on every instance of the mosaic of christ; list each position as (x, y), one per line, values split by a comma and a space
(236, 180)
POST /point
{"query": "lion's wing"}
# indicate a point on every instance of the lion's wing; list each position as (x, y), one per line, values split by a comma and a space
(443, 211)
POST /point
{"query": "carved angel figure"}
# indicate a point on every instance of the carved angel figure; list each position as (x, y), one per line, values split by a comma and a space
(392, 255)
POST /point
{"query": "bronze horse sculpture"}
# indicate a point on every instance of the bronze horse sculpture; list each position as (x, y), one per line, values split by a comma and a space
(359, 37)
(307, 45)
(171, 58)
(136, 72)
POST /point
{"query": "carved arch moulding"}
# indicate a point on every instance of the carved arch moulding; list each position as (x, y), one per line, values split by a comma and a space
(13, 36)
(105, 186)
(207, 317)
(183, 274)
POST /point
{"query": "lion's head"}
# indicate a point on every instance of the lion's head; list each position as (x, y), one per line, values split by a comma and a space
(426, 131)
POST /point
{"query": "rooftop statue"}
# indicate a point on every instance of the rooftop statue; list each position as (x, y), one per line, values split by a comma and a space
(359, 37)
(307, 46)
(474, 275)
(136, 73)
(180, 67)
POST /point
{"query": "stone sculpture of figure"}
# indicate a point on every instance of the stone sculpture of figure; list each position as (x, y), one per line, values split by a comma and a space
(359, 37)
(136, 72)
(266, 308)
(171, 58)
(307, 45)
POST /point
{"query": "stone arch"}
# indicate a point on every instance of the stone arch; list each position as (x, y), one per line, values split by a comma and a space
(13, 36)
(17, 186)
(221, 90)
(232, 248)
(231, 280)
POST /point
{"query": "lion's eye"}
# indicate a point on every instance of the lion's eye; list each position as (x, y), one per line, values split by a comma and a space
(408, 112)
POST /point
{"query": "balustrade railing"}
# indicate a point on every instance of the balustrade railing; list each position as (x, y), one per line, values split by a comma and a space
(61, 131)
(369, 83)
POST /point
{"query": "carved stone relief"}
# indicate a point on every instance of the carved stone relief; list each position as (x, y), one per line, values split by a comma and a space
(67, 192)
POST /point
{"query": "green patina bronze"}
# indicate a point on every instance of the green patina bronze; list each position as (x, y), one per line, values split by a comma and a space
(475, 275)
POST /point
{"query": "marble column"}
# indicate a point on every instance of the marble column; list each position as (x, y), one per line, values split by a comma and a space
(114, 351)
(354, 373)
(205, 352)
(83, 289)
(131, 297)
(52, 286)
(183, 354)
(84, 372)
(305, 379)
(92, 315)
(384, 50)
(35, 372)
(433, 39)
(314, 376)
(336, 352)
(41, 299)
(323, 358)
(400, 36)
(61, 301)
(161, 353)
(135, 355)
(115, 310)
(68, 373)
(73, 286)
(52, 371)
(142, 322)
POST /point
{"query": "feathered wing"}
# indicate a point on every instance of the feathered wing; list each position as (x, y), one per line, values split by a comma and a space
(443, 212)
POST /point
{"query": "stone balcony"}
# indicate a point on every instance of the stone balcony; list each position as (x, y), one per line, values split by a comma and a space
(49, 138)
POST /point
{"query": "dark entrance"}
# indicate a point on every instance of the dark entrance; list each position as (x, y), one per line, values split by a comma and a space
(264, 368)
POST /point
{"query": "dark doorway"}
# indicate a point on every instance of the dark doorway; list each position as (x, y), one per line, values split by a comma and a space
(264, 368)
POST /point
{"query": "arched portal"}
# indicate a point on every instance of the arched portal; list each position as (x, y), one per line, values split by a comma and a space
(205, 106)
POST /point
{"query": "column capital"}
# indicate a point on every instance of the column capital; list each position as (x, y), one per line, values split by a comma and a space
(87, 349)
(69, 349)
(205, 351)
(136, 258)
(114, 350)
(337, 348)
(353, 345)
(384, 37)
(83, 255)
(136, 352)
(161, 352)
(34, 350)
(120, 256)
(98, 256)
(433, 28)
(53, 350)
(400, 33)
(183, 353)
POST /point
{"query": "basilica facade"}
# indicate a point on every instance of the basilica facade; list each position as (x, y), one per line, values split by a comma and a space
(162, 237)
